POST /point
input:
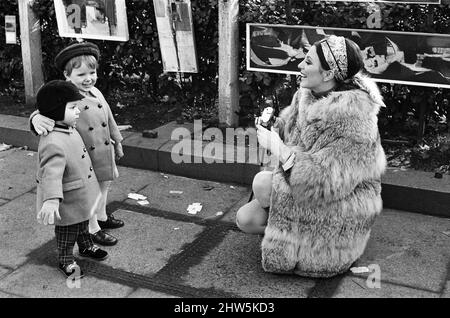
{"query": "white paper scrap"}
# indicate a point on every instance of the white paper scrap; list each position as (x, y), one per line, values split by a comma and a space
(136, 196)
(194, 208)
(143, 202)
(360, 270)
(4, 147)
(175, 192)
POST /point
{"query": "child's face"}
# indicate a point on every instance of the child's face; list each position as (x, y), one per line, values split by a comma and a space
(72, 113)
(83, 77)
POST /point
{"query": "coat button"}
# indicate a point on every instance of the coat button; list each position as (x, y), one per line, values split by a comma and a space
(82, 157)
(91, 128)
(107, 142)
(89, 176)
(86, 107)
(100, 105)
(92, 147)
(84, 150)
(90, 169)
(37, 180)
(104, 124)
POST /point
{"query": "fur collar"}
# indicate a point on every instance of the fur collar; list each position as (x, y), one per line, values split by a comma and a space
(360, 97)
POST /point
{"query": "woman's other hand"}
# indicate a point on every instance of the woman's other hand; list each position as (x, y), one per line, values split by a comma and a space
(270, 140)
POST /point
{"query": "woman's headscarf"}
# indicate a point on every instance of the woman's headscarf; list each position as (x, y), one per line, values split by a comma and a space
(335, 54)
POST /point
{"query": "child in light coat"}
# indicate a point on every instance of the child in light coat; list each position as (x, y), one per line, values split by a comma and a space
(96, 125)
(67, 189)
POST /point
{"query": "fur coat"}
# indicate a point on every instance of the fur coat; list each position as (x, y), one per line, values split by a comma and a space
(322, 209)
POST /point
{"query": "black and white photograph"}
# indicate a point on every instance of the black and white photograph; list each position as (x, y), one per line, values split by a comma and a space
(92, 19)
(391, 57)
(223, 156)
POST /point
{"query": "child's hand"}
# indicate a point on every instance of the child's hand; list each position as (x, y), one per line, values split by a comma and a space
(43, 125)
(48, 211)
(118, 150)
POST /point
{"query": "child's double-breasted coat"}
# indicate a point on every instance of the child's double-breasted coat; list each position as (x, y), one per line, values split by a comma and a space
(65, 172)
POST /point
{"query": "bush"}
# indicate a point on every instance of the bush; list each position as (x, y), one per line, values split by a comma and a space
(135, 66)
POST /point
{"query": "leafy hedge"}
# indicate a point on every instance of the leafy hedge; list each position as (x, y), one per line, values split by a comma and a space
(136, 65)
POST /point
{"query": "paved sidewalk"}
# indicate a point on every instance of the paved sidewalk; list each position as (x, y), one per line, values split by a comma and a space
(165, 252)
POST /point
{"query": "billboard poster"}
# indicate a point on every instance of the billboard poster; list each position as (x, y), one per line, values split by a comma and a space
(389, 56)
(176, 35)
(397, 1)
(10, 29)
(92, 19)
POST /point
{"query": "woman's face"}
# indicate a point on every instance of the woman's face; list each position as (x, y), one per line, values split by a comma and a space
(311, 70)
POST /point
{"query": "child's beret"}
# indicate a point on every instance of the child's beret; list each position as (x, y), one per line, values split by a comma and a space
(51, 99)
(73, 50)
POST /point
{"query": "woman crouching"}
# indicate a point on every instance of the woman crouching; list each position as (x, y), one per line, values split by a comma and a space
(316, 209)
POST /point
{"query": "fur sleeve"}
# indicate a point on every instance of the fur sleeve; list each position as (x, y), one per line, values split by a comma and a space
(286, 115)
(333, 171)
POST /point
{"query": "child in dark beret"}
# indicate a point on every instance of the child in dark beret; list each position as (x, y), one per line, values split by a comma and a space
(78, 62)
(67, 191)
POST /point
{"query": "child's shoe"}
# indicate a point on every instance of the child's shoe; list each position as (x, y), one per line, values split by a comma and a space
(94, 253)
(71, 268)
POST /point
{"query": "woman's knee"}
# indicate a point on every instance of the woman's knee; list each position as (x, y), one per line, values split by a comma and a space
(262, 187)
(251, 216)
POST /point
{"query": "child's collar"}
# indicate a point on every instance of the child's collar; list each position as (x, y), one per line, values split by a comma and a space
(63, 128)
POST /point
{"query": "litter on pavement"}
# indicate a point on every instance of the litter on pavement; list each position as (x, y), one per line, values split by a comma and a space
(175, 192)
(360, 270)
(143, 202)
(4, 147)
(136, 196)
(194, 208)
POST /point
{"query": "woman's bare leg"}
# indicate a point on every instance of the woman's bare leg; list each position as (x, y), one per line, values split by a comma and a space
(252, 217)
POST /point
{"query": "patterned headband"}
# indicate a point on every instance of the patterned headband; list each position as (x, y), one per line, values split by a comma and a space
(335, 53)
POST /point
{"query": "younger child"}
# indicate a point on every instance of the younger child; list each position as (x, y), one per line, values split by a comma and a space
(78, 62)
(67, 192)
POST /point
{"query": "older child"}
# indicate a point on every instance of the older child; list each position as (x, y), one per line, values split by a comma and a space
(68, 191)
(96, 125)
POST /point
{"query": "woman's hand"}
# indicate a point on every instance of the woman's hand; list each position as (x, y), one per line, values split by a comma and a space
(43, 125)
(270, 140)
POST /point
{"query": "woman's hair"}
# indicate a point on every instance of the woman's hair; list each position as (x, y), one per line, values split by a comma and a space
(354, 58)
(76, 62)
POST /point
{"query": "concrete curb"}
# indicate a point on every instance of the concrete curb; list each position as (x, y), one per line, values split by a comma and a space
(413, 191)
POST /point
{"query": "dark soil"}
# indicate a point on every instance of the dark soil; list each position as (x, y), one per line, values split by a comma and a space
(140, 113)
(144, 113)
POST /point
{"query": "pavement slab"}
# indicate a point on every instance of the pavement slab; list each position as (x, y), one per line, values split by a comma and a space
(34, 280)
(20, 233)
(4, 294)
(234, 266)
(213, 196)
(130, 181)
(409, 249)
(147, 242)
(357, 287)
(147, 293)
(17, 173)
